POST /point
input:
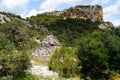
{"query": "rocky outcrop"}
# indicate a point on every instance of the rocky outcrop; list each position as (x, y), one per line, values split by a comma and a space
(47, 47)
(106, 25)
(4, 19)
(94, 13)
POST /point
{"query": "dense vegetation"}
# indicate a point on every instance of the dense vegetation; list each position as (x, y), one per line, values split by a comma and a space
(16, 43)
(67, 62)
(98, 50)
(66, 30)
(99, 53)
(87, 51)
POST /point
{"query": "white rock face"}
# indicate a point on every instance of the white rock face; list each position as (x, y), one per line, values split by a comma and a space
(43, 71)
(52, 40)
(106, 25)
(47, 47)
(4, 19)
(94, 13)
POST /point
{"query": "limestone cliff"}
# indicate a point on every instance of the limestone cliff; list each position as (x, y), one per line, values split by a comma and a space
(94, 13)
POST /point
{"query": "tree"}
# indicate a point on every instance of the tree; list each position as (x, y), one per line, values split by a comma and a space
(99, 53)
(93, 55)
(12, 62)
(65, 61)
(112, 44)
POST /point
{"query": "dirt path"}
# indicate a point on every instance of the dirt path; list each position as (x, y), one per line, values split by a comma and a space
(43, 71)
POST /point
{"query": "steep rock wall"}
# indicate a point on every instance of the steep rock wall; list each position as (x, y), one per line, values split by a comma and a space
(94, 13)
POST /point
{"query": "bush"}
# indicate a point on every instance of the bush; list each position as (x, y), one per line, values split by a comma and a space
(99, 54)
(27, 76)
(14, 64)
(12, 61)
(65, 62)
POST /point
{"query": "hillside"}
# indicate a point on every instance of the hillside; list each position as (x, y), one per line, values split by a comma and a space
(74, 43)
(68, 25)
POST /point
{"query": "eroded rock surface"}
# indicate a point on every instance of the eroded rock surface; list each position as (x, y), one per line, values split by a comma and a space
(106, 25)
(4, 19)
(47, 47)
(94, 13)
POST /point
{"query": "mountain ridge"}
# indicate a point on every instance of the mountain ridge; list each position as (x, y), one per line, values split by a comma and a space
(94, 13)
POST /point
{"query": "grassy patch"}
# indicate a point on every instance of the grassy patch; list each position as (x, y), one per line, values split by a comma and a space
(39, 61)
(115, 77)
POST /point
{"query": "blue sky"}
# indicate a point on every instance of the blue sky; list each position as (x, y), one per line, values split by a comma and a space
(27, 8)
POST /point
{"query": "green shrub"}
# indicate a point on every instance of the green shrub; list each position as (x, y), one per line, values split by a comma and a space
(66, 30)
(99, 54)
(27, 76)
(65, 62)
(14, 63)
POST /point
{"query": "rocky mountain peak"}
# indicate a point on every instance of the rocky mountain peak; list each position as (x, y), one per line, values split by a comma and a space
(94, 13)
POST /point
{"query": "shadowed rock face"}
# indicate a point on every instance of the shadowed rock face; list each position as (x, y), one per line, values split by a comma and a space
(47, 47)
(94, 13)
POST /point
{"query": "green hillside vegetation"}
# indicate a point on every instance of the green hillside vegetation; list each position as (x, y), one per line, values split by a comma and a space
(10, 15)
(16, 44)
(87, 51)
(67, 62)
(42, 19)
(66, 30)
(99, 54)
(98, 50)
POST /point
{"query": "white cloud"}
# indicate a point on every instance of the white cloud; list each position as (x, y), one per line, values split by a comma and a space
(100, 1)
(112, 13)
(13, 6)
(116, 22)
(35, 0)
(20, 7)
(49, 5)
(33, 12)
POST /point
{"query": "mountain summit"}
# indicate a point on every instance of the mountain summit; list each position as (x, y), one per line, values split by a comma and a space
(94, 13)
